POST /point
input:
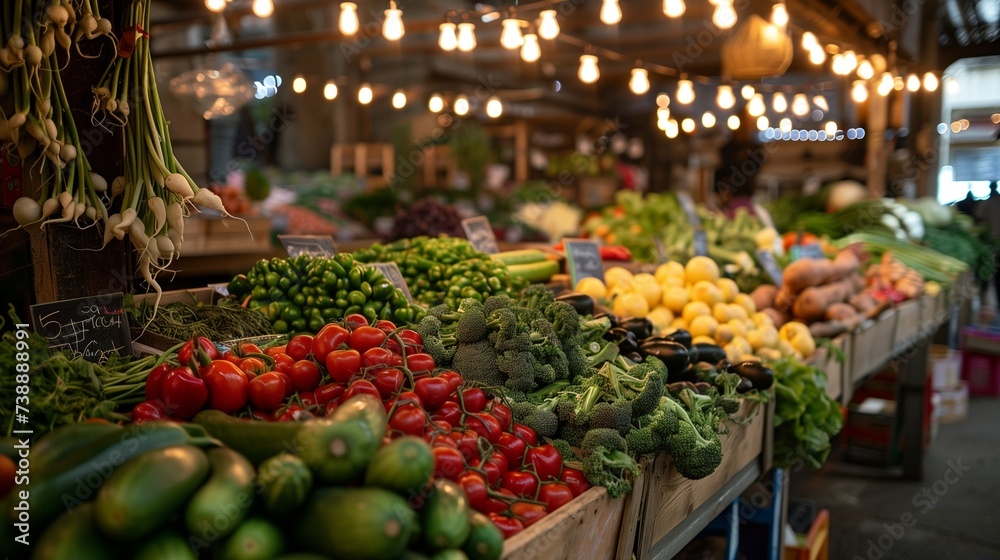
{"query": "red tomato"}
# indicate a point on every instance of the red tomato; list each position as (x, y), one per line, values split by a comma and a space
(184, 394)
(275, 350)
(475, 488)
(190, 348)
(522, 484)
(388, 327)
(494, 467)
(392, 345)
(448, 463)
(154, 381)
(355, 320)
(545, 460)
(507, 525)
(409, 420)
(433, 391)
(468, 443)
(576, 481)
(329, 392)
(555, 495)
(475, 400)
(454, 380)
(410, 397)
(388, 381)
(328, 339)
(484, 425)
(252, 367)
(249, 348)
(513, 449)
(305, 375)
(261, 416)
(227, 386)
(360, 387)
(420, 363)
(287, 382)
(149, 411)
(266, 391)
(411, 337)
(449, 412)
(364, 338)
(529, 514)
(231, 356)
(308, 399)
(283, 363)
(525, 433)
(502, 413)
(376, 357)
(330, 407)
(292, 413)
(343, 364)
(299, 347)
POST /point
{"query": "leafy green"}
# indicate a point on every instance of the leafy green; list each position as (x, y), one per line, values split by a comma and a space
(805, 418)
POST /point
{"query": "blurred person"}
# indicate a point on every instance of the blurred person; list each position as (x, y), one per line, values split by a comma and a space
(988, 212)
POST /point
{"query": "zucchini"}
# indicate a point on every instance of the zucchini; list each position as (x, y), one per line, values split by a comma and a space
(485, 541)
(534, 272)
(284, 482)
(404, 466)
(445, 517)
(224, 500)
(523, 256)
(254, 439)
(254, 539)
(70, 443)
(146, 491)
(356, 523)
(338, 449)
(75, 536)
(167, 544)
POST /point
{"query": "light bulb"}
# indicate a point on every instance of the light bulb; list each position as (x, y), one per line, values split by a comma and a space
(365, 94)
(671, 129)
(611, 12)
(930, 81)
(399, 99)
(215, 5)
(838, 64)
(913, 82)
(674, 8)
(809, 41)
(466, 36)
(859, 91)
(639, 82)
(330, 91)
(779, 102)
(392, 27)
(548, 25)
(494, 108)
(588, 73)
(662, 100)
(725, 98)
(951, 85)
(747, 91)
(461, 105)
(724, 15)
(850, 62)
(448, 41)
(866, 71)
(299, 84)
(435, 104)
(662, 116)
(348, 22)
(830, 129)
(820, 102)
(898, 83)
(708, 119)
(510, 37)
(687, 125)
(779, 15)
(800, 105)
(756, 106)
(263, 8)
(685, 91)
(885, 84)
(530, 50)
(817, 56)
(733, 121)
(785, 125)
(762, 122)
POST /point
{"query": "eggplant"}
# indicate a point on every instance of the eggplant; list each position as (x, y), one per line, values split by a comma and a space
(678, 386)
(745, 386)
(760, 376)
(583, 303)
(680, 336)
(702, 387)
(672, 354)
(708, 353)
(640, 326)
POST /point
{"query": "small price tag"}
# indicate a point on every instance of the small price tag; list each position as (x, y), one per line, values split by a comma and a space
(479, 232)
(770, 266)
(91, 328)
(392, 273)
(700, 243)
(687, 205)
(308, 245)
(808, 251)
(584, 259)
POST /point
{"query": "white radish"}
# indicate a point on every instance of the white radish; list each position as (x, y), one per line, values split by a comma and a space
(128, 217)
(91, 213)
(33, 55)
(178, 184)
(47, 42)
(159, 210)
(67, 216)
(64, 40)
(27, 210)
(117, 186)
(137, 231)
(177, 237)
(112, 223)
(65, 199)
(17, 120)
(165, 246)
(68, 152)
(44, 107)
(100, 185)
(146, 270)
(78, 211)
(49, 207)
(57, 14)
(104, 26)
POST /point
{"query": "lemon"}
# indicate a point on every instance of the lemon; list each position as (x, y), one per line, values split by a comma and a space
(705, 291)
(675, 281)
(722, 313)
(631, 305)
(701, 268)
(728, 288)
(739, 327)
(644, 278)
(593, 287)
(679, 323)
(616, 275)
(746, 302)
(742, 344)
(724, 334)
(661, 317)
(762, 319)
(695, 309)
(675, 298)
(646, 286)
(703, 325)
(769, 354)
(670, 269)
(702, 339)
(737, 311)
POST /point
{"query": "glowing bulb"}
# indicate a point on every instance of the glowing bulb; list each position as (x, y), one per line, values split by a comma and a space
(913, 82)
(588, 73)
(662, 100)
(448, 41)
(392, 27)
(494, 108)
(885, 84)
(365, 94)
(951, 84)
(348, 21)
(708, 119)
(461, 105)
(435, 104)
(662, 116)
(762, 122)
(747, 91)
(733, 121)
(809, 41)
(850, 62)
(639, 82)
(215, 5)
(687, 125)
(838, 64)
(785, 125)
(671, 129)
(820, 102)
(779, 15)
(866, 71)
(724, 15)
(611, 12)
(930, 81)
(898, 83)
(830, 129)
(330, 91)
(466, 36)
(800, 105)
(548, 25)
(685, 92)
(674, 8)
(399, 99)
(299, 84)
(756, 106)
(263, 8)
(530, 50)
(510, 37)
(725, 98)
(859, 91)
(817, 56)
(779, 102)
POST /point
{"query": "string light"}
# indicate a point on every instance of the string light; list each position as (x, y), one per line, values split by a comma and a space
(215, 5)
(548, 25)
(392, 27)
(588, 73)
(838, 64)
(348, 21)
(800, 105)
(494, 108)
(466, 36)
(448, 40)
(674, 8)
(611, 12)
(756, 106)
(817, 56)
(399, 99)
(898, 83)
(809, 41)
(724, 97)
(746, 92)
(685, 91)
(365, 94)
(779, 102)
(850, 62)
(762, 122)
(330, 91)
(930, 82)
(785, 125)
(724, 15)
(530, 50)
(639, 82)
(885, 84)
(299, 84)
(461, 105)
(511, 37)
(831, 129)
(820, 102)
(866, 71)
(687, 125)
(859, 91)
(262, 8)
(733, 121)
(662, 100)
(913, 82)
(779, 15)
(435, 104)
(708, 119)
(662, 116)
(671, 129)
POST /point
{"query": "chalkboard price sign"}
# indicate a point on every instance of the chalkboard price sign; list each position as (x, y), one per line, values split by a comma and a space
(480, 233)
(700, 243)
(392, 273)
(91, 328)
(687, 205)
(584, 259)
(309, 245)
(770, 266)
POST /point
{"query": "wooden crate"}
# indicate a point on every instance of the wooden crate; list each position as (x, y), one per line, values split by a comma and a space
(207, 296)
(871, 346)
(373, 163)
(826, 360)
(225, 236)
(907, 325)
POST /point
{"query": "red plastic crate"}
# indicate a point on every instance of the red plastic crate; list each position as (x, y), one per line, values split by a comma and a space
(981, 361)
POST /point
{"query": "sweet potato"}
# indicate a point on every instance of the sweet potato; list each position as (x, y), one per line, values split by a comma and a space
(812, 303)
(783, 300)
(843, 313)
(828, 329)
(844, 264)
(763, 296)
(806, 273)
(777, 317)
(863, 302)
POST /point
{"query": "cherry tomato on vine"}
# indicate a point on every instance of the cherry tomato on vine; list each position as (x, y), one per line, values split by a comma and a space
(546, 462)
(513, 449)
(343, 365)
(355, 320)
(364, 338)
(475, 401)
(360, 387)
(449, 412)
(448, 463)
(388, 381)
(376, 357)
(328, 339)
(525, 433)
(555, 495)
(266, 391)
(502, 414)
(522, 484)
(475, 488)
(299, 346)
(576, 481)
(433, 391)
(420, 363)
(305, 375)
(283, 363)
(509, 526)
(529, 514)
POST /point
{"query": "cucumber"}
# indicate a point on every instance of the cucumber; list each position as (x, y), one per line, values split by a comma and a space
(75, 536)
(523, 256)
(254, 439)
(223, 502)
(485, 541)
(254, 539)
(356, 523)
(146, 491)
(338, 449)
(404, 466)
(284, 482)
(167, 544)
(450, 554)
(445, 516)
(534, 272)
(67, 444)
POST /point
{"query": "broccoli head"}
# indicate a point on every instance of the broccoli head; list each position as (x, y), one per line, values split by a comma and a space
(565, 321)
(440, 346)
(696, 449)
(477, 362)
(537, 296)
(572, 433)
(643, 441)
(496, 302)
(611, 469)
(543, 420)
(617, 416)
(519, 367)
(565, 450)
(576, 359)
(607, 438)
(472, 326)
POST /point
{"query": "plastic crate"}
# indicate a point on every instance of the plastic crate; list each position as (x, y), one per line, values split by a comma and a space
(981, 361)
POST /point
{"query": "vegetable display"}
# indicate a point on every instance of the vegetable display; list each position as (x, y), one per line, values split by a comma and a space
(179, 321)
(427, 217)
(805, 418)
